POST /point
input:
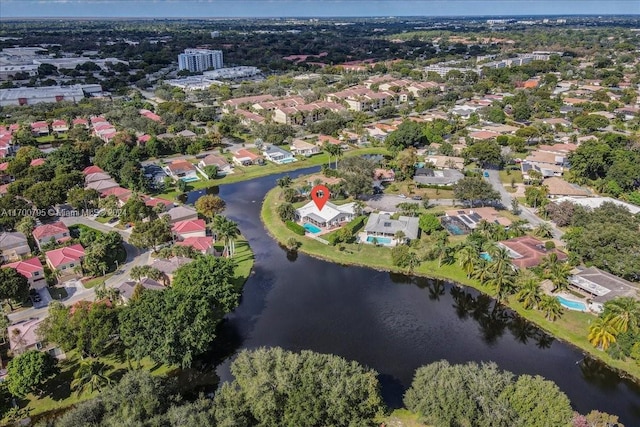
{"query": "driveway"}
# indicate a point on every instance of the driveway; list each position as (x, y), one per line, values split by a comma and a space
(45, 298)
(525, 212)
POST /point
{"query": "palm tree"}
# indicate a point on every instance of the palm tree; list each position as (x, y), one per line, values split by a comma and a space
(517, 228)
(602, 333)
(481, 271)
(529, 293)
(624, 313)
(559, 275)
(90, 375)
(468, 258)
(399, 236)
(544, 230)
(412, 262)
(502, 282)
(550, 306)
(228, 231)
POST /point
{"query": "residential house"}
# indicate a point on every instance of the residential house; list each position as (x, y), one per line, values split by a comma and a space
(102, 185)
(189, 228)
(446, 162)
(467, 220)
(182, 169)
(143, 139)
(302, 148)
(94, 177)
(230, 105)
(153, 202)
(150, 115)
(92, 169)
(80, 122)
(596, 202)
(155, 174)
(120, 193)
(126, 289)
(182, 213)
(168, 266)
(558, 187)
(223, 167)
(40, 128)
(303, 114)
(245, 157)
(527, 251)
(23, 336)
(32, 269)
(13, 246)
(602, 286)
(445, 177)
(483, 135)
(202, 244)
(328, 217)
(187, 134)
(37, 162)
(382, 230)
(278, 155)
(384, 175)
(46, 233)
(248, 118)
(66, 259)
(60, 126)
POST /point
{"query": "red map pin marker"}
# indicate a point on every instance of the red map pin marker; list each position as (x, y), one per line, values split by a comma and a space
(320, 196)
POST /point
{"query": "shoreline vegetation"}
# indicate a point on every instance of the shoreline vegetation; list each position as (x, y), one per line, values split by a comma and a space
(572, 327)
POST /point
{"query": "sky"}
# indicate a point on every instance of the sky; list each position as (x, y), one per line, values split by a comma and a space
(309, 8)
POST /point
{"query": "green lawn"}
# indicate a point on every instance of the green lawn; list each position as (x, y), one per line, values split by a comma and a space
(507, 176)
(572, 327)
(103, 219)
(242, 173)
(244, 259)
(401, 418)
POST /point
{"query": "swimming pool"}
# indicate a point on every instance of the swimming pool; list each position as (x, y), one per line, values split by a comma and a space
(191, 179)
(454, 229)
(380, 240)
(288, 160)
(485, 256)
(311, 228)
(572, 305)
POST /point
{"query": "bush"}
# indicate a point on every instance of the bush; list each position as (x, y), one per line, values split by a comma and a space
(549, 244)
(296, 228)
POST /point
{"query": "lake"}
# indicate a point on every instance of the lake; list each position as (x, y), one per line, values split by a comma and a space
(393, 323)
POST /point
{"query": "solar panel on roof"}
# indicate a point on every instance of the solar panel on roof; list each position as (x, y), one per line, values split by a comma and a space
(465, 219)
(474, 216)
(461, 212)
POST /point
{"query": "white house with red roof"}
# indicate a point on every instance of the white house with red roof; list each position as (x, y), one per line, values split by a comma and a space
(143, 139)
(189, 228)
(60, 126)
(92, 169)
(37, 162)
(45, 233)
(155, 201)
(200, 244)
(40, 128)
(32, 269)
(65, 259)
(181, 169)
(120, 193)
(245, 157)
(80, 122)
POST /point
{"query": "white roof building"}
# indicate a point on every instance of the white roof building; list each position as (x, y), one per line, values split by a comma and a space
(595, 202)
(329, 215)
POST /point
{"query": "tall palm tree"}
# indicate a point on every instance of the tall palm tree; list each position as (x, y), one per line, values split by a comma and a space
(501, 262)
(481, 271)
(624, 313)
(559, 275)
(468, 258)
(602, 333)
(90, 376)
(550, 306)
(228, 231)
(502, 282)
(413, 261)
(517, 228)
(400, 237)
(529, 293)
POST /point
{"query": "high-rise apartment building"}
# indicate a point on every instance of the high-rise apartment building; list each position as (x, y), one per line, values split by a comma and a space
(196, 60)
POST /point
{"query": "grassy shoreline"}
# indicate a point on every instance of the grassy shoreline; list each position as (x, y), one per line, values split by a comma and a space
(571, 328)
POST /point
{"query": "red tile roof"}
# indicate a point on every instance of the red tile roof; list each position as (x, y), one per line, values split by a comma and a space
(92, 169)
(58, 257)
(201, 244)
(50, 230)
(4, 166)
(189, 226)
(245, 153)
(530, 251)
(115, 191)
(39, 125)
(57, 123)
(26, 267)
(144, 138)
(37, 162)
(154, 201)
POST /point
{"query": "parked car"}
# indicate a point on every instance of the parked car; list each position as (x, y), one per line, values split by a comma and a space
(417, 197)
(486, 174)
(113, 220)
(402, 196)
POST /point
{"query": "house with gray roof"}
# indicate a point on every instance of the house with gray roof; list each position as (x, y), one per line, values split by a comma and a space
(444, 177)
(181, 213)
(13, 246)
(278, 155)
(168, 266)
(382, 230)
(127, 289)
(602, 286)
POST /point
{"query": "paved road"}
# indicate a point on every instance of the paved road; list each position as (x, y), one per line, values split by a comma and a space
(525, 212)
(76, 291)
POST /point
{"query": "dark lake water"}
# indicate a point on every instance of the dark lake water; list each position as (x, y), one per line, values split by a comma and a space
(395, 324)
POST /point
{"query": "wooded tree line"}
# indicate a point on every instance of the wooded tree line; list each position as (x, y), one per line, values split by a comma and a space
(277, 387)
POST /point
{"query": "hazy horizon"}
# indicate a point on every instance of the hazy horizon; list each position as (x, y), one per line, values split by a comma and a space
(13, 9)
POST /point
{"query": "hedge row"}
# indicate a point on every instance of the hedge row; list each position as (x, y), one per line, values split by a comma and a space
(296, 228)
(354, 226)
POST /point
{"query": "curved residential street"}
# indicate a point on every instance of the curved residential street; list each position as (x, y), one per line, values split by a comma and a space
(74, 288)
(525, 212)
